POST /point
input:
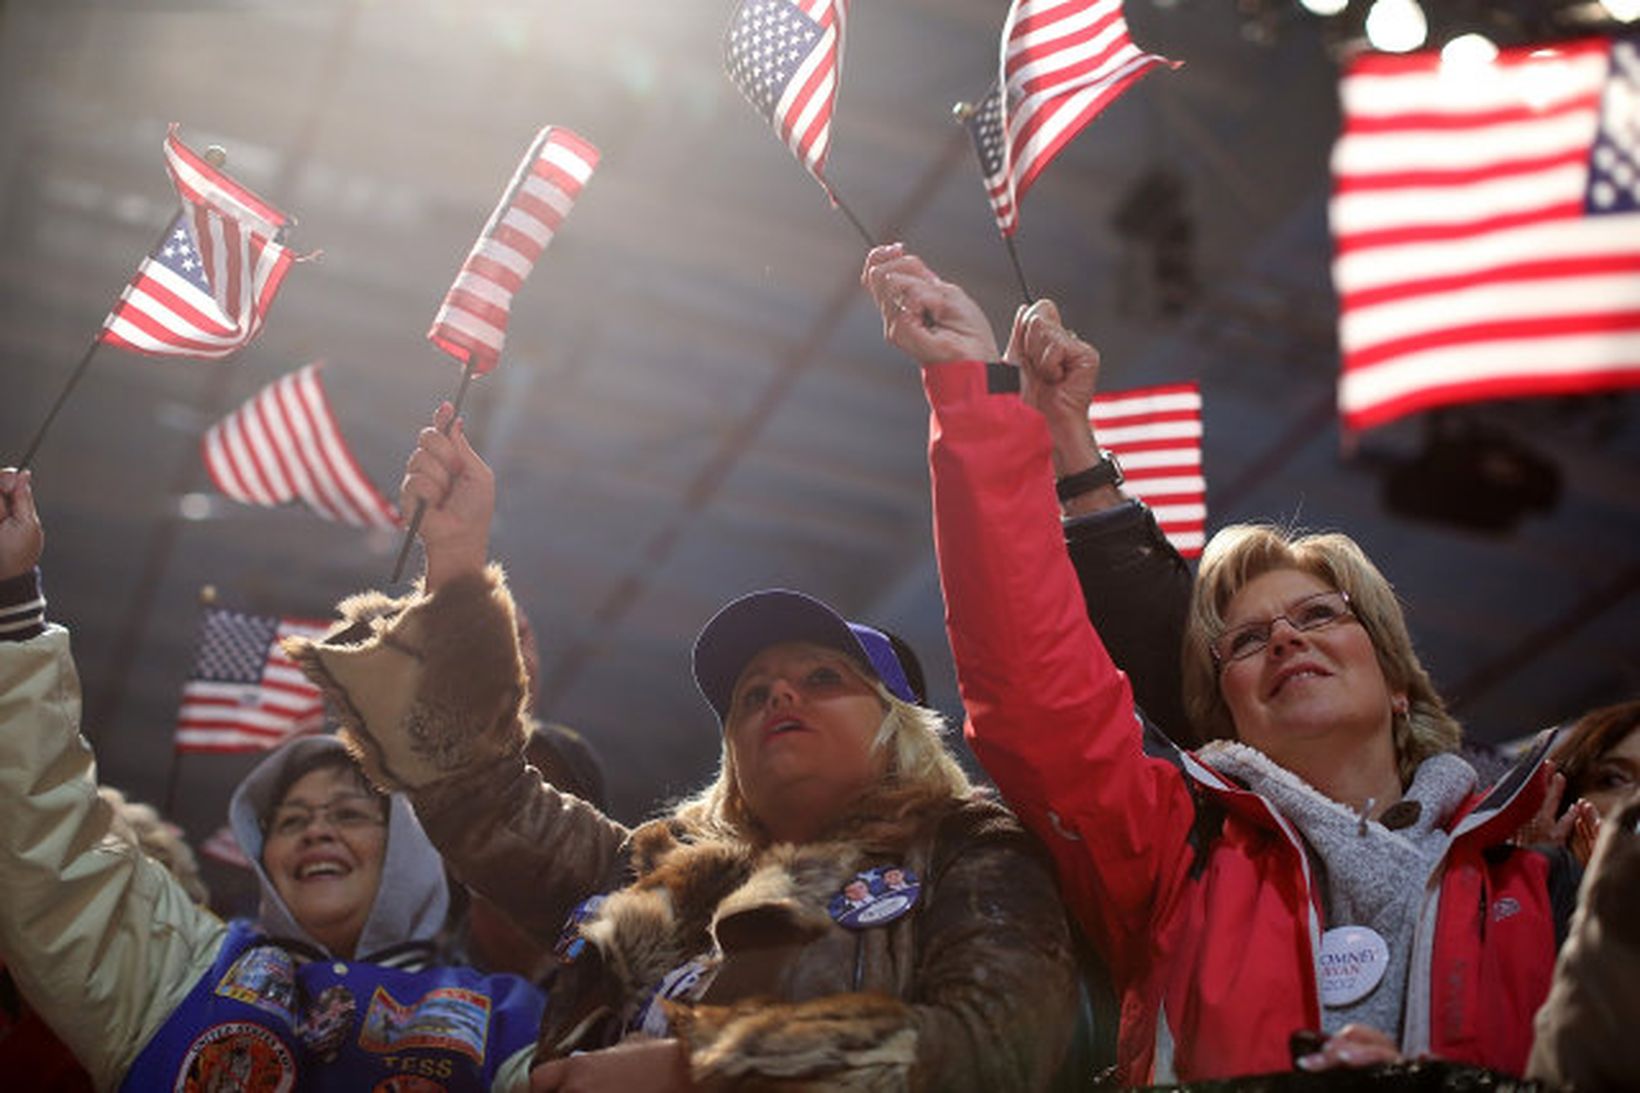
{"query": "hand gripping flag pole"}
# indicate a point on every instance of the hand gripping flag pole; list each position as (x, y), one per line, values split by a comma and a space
(786, 57)
(471, 324)
(203, 291)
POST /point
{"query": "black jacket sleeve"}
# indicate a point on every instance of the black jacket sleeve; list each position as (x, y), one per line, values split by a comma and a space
(1137, 590)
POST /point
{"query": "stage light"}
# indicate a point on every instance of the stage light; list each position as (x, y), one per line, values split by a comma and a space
(1396, 26)
(1468, 51)
(1325, 8)
(1624, 11)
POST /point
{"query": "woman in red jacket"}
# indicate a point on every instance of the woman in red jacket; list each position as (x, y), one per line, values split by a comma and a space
(1327, 862)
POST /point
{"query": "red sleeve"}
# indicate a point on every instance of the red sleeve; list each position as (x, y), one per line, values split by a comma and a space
(1049, 715)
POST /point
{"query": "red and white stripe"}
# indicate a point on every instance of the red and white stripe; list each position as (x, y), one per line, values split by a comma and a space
(1063, 61)
(1156, 433)
(471, 324)
(803, 114)
(234, 717)
(222, 846)
(1465, 264)
(284, 445)
(235, 232)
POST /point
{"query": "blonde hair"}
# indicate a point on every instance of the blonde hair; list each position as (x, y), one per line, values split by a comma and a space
(160, 839)
(919, 768)
(1243, 552)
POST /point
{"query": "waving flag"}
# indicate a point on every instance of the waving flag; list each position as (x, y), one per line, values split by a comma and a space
(1487, 228)
(284, 445)
(786, 56)
(471, 324)
(206, 289)
(244, 693)
(1156, 433)
(985, 128)
(224, 847)
(1063, 61)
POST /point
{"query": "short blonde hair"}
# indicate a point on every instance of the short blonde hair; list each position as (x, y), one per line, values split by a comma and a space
(919, 768)
(1242, 552)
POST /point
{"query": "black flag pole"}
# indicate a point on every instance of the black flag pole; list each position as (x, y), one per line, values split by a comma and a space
(414, 526)
(964, 113)
(870, 240)
(216, 156)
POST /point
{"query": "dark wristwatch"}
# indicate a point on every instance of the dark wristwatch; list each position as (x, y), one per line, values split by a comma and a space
(1106, 472)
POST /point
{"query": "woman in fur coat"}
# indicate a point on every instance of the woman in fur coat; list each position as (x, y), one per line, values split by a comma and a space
(838, 909)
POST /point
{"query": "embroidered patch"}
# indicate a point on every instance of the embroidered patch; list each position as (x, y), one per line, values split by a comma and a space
(875, 897)
(264, 976)
(407, 1083)
(326, 1021)
(570, 942)
(1353, 960)
(448, 1019)
(1507, 907)
(237, 1055)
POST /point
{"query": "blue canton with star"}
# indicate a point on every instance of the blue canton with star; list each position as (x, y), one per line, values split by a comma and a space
(986, 125)
(178, 254)
(233, 647)
(1614, 161)
(768, 41)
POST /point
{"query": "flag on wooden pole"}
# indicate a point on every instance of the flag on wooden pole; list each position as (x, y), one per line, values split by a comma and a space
(283, 445)
(471, 324)
(1156, 433)
(1486, 226)
(205, 290)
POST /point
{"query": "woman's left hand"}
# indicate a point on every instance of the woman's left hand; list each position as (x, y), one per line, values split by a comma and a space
(1352, 1046)
(641, 1066)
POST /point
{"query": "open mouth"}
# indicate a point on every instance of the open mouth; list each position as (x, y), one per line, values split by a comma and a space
(315, 869)
(1301, 673)
(782, 728)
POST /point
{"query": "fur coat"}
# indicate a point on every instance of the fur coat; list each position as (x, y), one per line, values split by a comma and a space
(972, 988)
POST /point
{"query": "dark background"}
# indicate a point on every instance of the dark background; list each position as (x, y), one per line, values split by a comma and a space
(695, 399)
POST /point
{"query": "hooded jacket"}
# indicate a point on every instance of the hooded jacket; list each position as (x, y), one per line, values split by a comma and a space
(1199, 892)
(150, 990)
(743, 950)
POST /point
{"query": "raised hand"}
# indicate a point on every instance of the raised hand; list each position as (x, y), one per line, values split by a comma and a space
(21, 536)
(932, 320)
(459, 489)
(1061, 371)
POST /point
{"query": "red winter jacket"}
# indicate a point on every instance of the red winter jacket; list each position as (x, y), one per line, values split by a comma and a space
(1196, 891)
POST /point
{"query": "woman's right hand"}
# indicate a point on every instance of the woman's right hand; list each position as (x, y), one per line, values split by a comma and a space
(458, 488)
(1060, 377)
(21, 536)
(933, 321)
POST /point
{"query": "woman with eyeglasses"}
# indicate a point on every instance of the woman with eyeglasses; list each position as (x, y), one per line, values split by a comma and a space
(1326, 865)
(334, 983)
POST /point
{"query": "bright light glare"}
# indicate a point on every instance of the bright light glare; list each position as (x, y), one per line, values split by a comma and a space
(1329, 7)
(1468, 51)
(1396, 26)
(1624, 11)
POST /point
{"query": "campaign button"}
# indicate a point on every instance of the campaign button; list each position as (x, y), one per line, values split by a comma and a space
(1353, 960)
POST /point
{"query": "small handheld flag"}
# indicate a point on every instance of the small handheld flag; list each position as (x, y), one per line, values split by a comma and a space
(471, 324)
(1062, 63)
(244, 693)
(284, 444)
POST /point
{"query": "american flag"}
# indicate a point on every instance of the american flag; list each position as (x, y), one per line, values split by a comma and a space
(1156, 433)
(244, 693)
(471, 323)
(1487, 228)
(285, 445)
(206, 289)
(1063, 61)
(786, 56)
(225, 848)
(985, 127)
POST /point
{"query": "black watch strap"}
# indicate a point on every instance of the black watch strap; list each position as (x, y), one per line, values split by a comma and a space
(1106, 472)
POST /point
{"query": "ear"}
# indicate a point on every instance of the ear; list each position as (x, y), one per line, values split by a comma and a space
(1399, 703)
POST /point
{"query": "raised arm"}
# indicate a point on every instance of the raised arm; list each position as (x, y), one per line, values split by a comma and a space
(432, 693)
(102, 939)
(1048, 713)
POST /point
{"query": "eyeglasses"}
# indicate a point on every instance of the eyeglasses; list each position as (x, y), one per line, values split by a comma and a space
(1315, 612)
(346, 813)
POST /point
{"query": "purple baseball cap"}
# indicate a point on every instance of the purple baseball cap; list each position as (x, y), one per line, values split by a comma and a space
(757, 620)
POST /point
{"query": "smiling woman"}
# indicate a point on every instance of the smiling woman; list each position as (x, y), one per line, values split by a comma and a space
(808, 917)
(332, 979)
